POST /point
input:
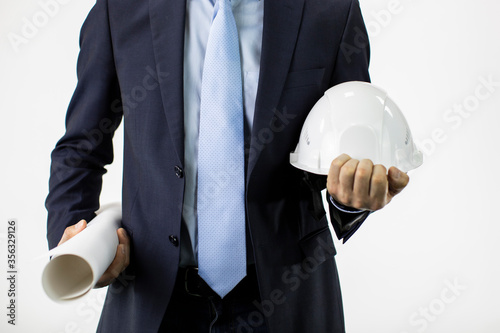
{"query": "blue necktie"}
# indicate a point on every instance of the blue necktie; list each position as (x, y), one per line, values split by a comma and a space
(221, 175)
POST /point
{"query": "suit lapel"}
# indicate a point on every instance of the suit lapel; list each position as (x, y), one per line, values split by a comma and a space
(281, 26)
(167, 28)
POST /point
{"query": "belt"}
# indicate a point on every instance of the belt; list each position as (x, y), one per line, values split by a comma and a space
(191, 283)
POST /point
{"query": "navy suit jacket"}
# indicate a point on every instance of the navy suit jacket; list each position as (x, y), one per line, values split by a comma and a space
(131, 67)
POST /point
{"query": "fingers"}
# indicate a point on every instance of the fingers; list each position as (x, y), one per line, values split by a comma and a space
(397, 181)
(335, 167)
(378, 188)
(361, 184)
(370, 186)
(362, 177)
(120, 262)
(334, 178)
(123, 237)
(72, 230)
(347, 179)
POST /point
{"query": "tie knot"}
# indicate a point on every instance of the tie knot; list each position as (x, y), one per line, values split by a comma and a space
(224, 3)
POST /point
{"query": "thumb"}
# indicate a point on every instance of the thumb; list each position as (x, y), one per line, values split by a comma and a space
(397, 181)
(72, 230)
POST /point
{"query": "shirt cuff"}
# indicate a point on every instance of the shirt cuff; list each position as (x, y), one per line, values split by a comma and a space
(342, 208)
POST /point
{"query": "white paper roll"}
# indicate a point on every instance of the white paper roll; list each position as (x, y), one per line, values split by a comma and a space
(78, 263)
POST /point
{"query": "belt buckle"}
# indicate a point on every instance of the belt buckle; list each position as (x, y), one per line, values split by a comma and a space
(190, 270)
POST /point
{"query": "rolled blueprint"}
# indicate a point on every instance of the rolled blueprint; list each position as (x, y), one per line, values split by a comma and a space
(78, 263)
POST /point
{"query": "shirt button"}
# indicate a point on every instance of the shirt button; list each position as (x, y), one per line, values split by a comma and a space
(178, 171)
(174, 240)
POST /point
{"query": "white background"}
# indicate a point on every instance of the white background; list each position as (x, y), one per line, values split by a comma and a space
(427, 263)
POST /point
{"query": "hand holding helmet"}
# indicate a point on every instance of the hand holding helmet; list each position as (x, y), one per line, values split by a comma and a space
(358, 120)
(363, 185)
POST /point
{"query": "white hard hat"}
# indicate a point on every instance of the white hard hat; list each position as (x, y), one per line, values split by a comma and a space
(358, 119)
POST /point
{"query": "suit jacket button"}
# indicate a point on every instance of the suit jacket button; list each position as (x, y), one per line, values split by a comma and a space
(178, 171)
(174, 240)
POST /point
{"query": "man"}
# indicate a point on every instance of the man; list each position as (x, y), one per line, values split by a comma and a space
(143, 61)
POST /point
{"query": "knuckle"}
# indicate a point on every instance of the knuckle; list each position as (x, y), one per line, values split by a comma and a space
(115, 272)
(104, 280)
(380, 167)
(379, 179)
(336, 165)
(366, 165)
(342, 158)
(362, 172)
(348, 170)
(362, 178)
(67, 234)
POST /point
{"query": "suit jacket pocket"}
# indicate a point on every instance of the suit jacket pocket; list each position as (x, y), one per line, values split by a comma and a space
(310, 77)
(318, 246)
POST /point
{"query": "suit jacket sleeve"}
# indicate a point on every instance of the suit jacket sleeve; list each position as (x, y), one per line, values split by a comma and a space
(351, 65)
(94, 113)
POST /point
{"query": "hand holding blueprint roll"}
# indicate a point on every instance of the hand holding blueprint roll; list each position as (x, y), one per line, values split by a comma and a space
(78, 263)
